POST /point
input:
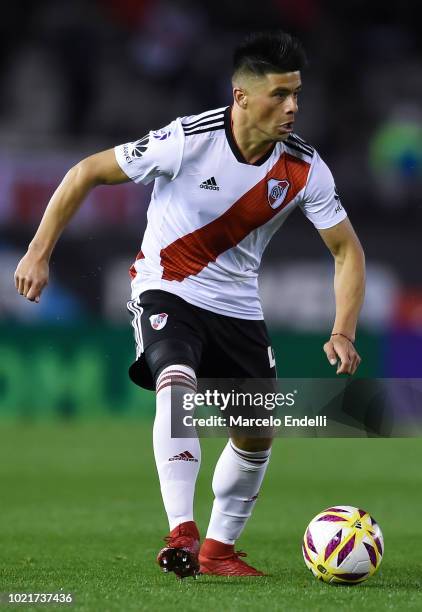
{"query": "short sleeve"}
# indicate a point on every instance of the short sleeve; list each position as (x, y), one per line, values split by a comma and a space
(321, 202)
(158, 153)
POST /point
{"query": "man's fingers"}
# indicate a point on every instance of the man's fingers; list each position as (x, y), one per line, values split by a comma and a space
(29, 288)
(344, 357)
(34, 293)
(343, 353)
(330, 352)
(27, 284)
(350, 363)
(338, 356)
(345, 365)
(33, 296)
(31, 276)
(356, 363)
(20, 285)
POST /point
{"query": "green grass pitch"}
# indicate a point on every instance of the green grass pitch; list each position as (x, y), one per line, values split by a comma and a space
(81, 512)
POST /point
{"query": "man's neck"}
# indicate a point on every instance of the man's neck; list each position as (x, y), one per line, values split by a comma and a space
(248, 139)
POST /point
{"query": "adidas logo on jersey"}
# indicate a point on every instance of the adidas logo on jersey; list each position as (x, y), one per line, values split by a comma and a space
(210, 184)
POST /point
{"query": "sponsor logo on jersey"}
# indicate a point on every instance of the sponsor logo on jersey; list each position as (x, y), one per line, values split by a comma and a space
(336, 195)
(136, 149)
(161, 134)
(211, 183)
(158, 321)
(339, 207)
(277, 190)
(127, 155)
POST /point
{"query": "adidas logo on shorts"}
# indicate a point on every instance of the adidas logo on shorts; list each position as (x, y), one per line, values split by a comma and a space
(210, 184)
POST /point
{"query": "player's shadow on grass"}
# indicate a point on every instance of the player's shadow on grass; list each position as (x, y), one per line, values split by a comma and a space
(231, 580)
(392, 583)
(302, 579)
(377, 582)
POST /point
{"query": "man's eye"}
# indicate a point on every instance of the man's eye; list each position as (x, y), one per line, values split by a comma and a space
(284, 95)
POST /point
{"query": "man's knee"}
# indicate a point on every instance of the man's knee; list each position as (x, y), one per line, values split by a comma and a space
(252, 444)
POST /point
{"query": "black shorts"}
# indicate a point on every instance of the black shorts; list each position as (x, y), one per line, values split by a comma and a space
(219, 346)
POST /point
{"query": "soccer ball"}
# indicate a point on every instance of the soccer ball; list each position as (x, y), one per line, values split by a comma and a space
(343, 544)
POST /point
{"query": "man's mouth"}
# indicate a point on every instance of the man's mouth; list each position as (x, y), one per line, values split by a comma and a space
(286, 127)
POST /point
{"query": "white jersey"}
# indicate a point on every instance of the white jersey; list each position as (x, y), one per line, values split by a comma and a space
(212, 213)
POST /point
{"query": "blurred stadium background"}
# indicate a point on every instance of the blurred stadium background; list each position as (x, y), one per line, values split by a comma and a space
(78, 77)
(80, 501)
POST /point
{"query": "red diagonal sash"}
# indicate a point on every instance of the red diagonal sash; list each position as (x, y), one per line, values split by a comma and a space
(189, 254)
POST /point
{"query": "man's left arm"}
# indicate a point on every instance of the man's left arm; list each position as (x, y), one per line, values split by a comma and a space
(349, 288)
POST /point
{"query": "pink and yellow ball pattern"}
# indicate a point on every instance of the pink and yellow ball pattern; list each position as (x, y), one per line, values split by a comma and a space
(343, 544)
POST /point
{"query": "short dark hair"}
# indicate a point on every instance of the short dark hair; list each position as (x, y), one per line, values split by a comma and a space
(271, 51)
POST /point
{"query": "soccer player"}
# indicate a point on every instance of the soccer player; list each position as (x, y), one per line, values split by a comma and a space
(225, 181)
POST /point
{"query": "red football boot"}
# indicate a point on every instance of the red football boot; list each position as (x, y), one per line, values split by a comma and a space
(181, 553)
(218, 559)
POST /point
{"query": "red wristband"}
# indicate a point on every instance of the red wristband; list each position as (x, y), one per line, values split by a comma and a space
(344, 336)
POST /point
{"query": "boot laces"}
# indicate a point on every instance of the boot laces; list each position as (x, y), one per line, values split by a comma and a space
(240, 553)
(184, 539)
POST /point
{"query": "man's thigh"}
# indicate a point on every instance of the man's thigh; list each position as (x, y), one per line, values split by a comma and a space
(237, 348)
(167, 331)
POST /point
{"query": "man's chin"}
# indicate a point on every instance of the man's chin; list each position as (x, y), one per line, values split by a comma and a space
(280, 137)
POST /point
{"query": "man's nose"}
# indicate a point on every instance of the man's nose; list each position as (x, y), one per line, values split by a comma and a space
(291, 104)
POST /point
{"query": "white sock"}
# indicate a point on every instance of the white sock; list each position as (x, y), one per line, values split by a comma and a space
(237, 478)
(177, 459)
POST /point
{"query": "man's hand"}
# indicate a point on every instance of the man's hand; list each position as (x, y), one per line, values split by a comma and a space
(341, 352)
(31, 276)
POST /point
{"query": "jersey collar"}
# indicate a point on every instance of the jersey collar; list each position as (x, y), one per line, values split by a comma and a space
(233, 144)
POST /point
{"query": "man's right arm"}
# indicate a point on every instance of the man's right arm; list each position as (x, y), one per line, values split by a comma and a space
(31, 275)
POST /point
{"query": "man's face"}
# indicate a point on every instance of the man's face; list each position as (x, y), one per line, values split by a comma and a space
(270, 102)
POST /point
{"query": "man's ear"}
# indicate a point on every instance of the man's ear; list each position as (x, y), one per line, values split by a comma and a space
(240, 97)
